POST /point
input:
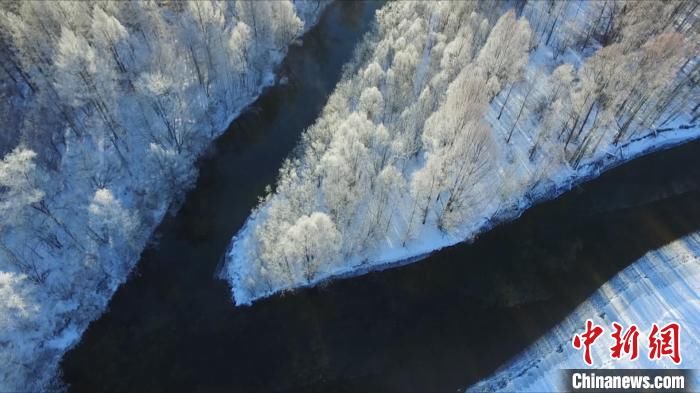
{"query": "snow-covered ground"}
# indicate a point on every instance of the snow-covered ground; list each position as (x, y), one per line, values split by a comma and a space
(661, 287)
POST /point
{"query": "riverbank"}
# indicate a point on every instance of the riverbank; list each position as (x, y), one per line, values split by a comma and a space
(432, 239)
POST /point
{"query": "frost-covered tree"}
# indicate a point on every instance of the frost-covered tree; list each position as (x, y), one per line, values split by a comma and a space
(556, 102)
(20, 186)
(458, 149)
(109, 221)
(21, 195)
(504, 54)
(312, 243)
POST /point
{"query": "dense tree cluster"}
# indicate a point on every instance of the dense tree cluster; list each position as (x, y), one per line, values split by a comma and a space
(445, 119)
(105, 107)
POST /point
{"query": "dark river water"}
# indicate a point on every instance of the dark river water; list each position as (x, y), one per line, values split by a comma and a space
(437, 325)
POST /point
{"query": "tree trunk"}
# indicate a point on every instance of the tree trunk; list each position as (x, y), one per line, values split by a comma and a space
(520, 112)
(505, 102)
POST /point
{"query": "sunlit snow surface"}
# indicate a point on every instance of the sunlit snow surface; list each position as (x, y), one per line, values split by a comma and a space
(661, 287)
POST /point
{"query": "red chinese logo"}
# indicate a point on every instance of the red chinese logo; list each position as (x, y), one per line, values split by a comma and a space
(588, 337)
(627, 343)
(663, 341)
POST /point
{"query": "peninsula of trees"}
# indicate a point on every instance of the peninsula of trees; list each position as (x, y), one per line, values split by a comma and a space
(456, 115)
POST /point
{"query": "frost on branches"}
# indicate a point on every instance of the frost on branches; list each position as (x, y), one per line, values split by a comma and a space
(457, 115)
(105, 107)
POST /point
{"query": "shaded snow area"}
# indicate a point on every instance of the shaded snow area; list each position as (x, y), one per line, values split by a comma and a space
(118, 100)
(457, 116)
(661, 287)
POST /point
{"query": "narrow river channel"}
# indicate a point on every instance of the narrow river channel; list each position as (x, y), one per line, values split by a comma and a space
(440, 324)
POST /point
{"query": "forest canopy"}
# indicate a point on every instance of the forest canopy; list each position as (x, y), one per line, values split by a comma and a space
(105, 106)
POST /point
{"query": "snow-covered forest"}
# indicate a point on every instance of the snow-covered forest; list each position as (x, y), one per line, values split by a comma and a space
(457, 115)
(105, 107)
